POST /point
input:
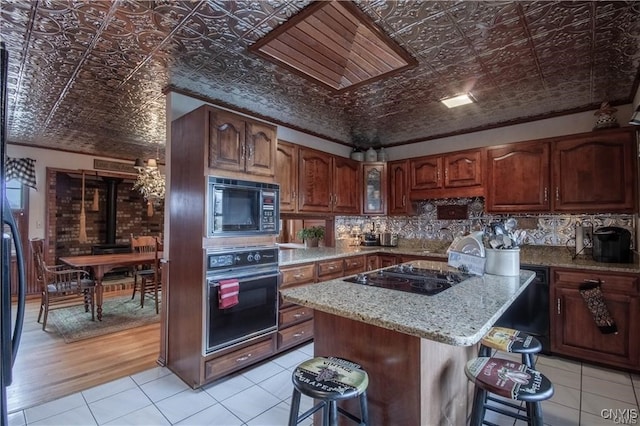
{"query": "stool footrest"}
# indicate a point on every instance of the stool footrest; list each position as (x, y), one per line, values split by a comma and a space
(311, 410)
(350, 416)
(507, 403)
(504, 412)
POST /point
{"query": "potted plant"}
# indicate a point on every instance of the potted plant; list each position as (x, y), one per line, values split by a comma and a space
(311, 235)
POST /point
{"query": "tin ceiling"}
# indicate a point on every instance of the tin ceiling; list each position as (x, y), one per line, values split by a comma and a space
(88, 76)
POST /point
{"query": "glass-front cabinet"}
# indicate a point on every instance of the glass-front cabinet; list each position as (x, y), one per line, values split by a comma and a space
(375, 188)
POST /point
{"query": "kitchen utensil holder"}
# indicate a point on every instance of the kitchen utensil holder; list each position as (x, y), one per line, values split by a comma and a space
(503, 262)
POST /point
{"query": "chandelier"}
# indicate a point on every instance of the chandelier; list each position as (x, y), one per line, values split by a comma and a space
(150, 182)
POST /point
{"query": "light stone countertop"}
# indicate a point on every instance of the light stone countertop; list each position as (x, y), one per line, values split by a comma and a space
(458, 316)
(529, 255)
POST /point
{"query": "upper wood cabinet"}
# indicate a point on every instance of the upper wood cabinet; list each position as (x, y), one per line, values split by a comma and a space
(346, 181)
(518, 178)
(457, 174)
(399, 203)
(327, 183)
(374, 195)
(591, 172)
(240, 144)
(314, 180)
(594, 173)
(287, 176)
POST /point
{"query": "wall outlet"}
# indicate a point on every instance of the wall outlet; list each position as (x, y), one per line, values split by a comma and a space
(587, 236)
(584, 238)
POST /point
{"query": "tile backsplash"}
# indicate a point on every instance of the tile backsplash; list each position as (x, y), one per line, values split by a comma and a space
(541, 229)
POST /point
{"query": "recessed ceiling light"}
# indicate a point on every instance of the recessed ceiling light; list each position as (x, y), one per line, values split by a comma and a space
(457, 101)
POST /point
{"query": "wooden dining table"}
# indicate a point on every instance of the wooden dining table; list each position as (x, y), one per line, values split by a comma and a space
(100, 264)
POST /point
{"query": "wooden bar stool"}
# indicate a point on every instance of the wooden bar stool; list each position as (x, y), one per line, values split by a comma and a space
(511, 380)
(512, 341)
(329, 380)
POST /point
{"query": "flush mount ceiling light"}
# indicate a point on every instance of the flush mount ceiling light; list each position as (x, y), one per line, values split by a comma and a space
(334, 44)
(457, 101)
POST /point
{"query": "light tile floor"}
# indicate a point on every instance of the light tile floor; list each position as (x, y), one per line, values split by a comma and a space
(260, 397)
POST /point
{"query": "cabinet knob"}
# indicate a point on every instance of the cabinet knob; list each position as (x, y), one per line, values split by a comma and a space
(546, 194)
(299, 334)
(557, 194)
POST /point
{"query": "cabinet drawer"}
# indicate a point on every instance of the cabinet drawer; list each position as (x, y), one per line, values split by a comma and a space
(330, 268)
(301, 274)
(296, 334)
(236, 360)
(294, 315)
(618, 283)
(354, 265)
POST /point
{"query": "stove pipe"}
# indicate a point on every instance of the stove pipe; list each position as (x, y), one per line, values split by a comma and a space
(112, 204)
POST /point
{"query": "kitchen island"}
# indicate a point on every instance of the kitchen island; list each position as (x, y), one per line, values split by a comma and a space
(414, 347)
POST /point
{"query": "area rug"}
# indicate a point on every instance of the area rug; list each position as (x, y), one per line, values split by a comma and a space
(118, 313)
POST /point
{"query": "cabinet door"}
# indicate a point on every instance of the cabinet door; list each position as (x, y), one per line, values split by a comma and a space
(346, 182)
(375, 188)
(287, 175)
(373, 262)
(574, 331)
(594, 173)
(398, 188)
(518, 178)
(226, 141)
(387, 260)
(425, 173)
(463, 169)
(314, 181)
(260, 150)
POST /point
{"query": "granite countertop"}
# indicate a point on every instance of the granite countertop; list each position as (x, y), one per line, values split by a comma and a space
(459, 316)
(529, 255)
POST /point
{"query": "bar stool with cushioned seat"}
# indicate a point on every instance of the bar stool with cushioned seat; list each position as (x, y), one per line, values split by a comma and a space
(329, 380)
(512, 341)
(511, 380)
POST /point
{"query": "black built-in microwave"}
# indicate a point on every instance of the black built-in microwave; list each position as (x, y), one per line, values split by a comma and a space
(242, 208)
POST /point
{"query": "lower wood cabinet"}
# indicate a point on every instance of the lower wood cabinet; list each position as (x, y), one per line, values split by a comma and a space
(354, 265)
(219, 365)
(573, 329)
(330, 269)
(294, 335)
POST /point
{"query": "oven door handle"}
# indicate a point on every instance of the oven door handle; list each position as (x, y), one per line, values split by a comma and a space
(215, 281)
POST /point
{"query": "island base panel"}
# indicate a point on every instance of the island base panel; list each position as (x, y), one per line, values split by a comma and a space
(412, 381)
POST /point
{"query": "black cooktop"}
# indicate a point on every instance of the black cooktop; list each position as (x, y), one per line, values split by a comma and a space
(412, 280)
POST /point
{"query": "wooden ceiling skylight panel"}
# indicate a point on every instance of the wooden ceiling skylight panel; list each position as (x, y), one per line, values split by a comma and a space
(335, 44)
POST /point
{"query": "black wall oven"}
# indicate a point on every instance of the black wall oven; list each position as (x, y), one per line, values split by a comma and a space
(255, 312)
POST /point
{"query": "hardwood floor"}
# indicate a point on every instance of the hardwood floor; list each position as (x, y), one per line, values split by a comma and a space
(47, 368)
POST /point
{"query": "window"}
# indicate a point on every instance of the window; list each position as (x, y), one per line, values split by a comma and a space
(16, 194)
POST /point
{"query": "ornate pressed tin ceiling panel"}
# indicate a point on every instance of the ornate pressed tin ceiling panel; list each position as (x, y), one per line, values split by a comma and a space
(88, 76)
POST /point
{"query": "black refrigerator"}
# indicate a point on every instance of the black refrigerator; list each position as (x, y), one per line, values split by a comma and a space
(10, 322)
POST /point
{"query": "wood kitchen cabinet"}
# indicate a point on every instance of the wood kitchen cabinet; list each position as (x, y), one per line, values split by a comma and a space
(573, 330)
(240, 144)
(374, 195)
(458, 174)
(295, 322)
(590, 172)
(399, 203)
(286, 174)
(326, 183)
(594, 172)
(518, 178)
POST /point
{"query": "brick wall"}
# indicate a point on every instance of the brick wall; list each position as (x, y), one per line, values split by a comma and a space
(64, 206)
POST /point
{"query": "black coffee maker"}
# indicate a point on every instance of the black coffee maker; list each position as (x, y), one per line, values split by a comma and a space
(612, 244)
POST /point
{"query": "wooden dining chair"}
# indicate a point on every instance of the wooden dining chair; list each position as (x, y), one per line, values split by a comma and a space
(152, 284)
(148, 274)
(61, 286)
